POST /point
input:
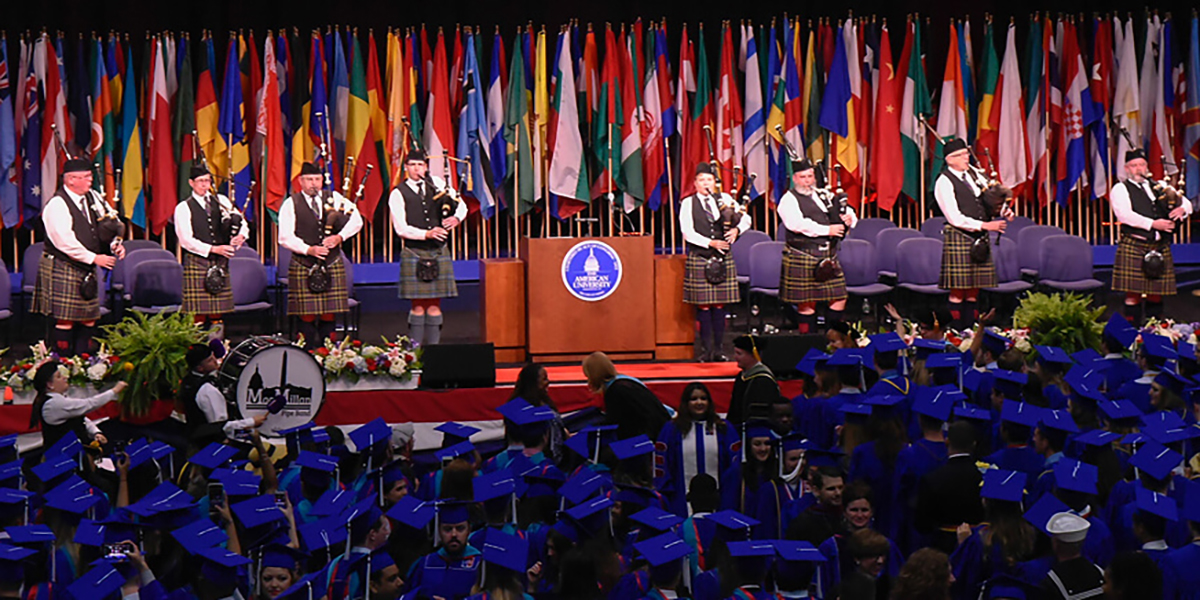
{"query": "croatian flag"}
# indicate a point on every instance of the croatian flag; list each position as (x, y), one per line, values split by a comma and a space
(1078, 113)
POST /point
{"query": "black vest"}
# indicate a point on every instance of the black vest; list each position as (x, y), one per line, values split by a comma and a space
(310, 227)
(968, 203)
(812, 211)
(704, 225)
(206, 226)
(85, 232)
(51, 434)
(1142, 204)
(200, 431)
(421, 212)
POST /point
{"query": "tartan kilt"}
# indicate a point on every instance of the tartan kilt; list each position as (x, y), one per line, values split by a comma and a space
(959, 272)
(411, 287)
(196, 299)
(798, 285)
(57, 291)
(1127, 269)
(301, 301)
(697, 289)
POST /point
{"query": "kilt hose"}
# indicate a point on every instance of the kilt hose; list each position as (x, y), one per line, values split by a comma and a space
(798, 286)
(412, 288)
(196, 299)
(303, 302)
(1127, 268)
(697, 289)
(959, 272)
(56, 294)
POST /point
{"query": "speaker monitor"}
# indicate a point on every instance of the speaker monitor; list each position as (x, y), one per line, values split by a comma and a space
(782, 352)
(459, 366)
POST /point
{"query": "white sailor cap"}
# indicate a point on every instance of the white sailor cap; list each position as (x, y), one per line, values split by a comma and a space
(1068, 527)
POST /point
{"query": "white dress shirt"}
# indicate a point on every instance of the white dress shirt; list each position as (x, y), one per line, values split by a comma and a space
(60, 226)
(710, 204)
(793, 218)
(1123, 208)
(58, 409)
(943, 191)
(400, 217)
(287, 222)
(212, 403)
(183, 223)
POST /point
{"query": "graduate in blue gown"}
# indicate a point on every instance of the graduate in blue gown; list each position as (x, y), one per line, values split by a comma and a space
(666, 554)
(820, 385)
(874, 461)
(1005, 539)
(504, 558)
(1049, 439)
(777, 495)
(859, 514)
(695, 442)
(1017, 421)
(1180, 571)
(740, 483)
(451, 571)
(923, 455)
(1117, 338)
(1151, 357)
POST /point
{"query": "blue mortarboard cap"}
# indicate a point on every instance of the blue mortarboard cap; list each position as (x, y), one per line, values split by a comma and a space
(1190, 506)
(455, 451)
(581, 513)
(100, 581)
(374, 432)
(1120, 409)
(380, 560)
(1053, 354)
(887, 342)
(456, 432)
(581, 486)
(1156, 503)
(54, 467)
(794, 441)
(1059, 419)
(1164, 419)
(214, 455)
(412, 512)
(656, 518)
(1077, 476)
(733, 520)
(994, 342)
(333, 502)
(238, 482)
(1136, 437)
(1170, 379)
(1120, 330)
(12, 496)
(945, 360)
(200, 534)
(139, 453)
(935, 402)
(824, 457)
(160, 449)
(1010, 384)
(1016, 377)
(1170, 435)
(811, 361)
(11, 470)
(545, 480)
(523, 413)
(507, 551)
(317, 461)
(1086, 382)
(1097, 437)
(759, 428)
(452, 511)
(1020, 413)
(219, 565)
(663, 549)
(926, 347)
(257, 511)
(585, 441)
(68, 445)
(497, 484)
(313, 585)
(794, 551)
(850, 357)
(1156, 459)
(164, 498)
(1047, 506)
(12, 567)
(1187, 350)
(1086, 357)
(30, 534)
(999, 484)
(751, 549)
(854, 408)
(281, 556)
(323, 533)
(363, 517)
(970, 411)
(633, 447)
(73, 495)
(1159, 347)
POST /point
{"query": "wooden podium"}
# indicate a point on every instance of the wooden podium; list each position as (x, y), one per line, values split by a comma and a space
(529, 313)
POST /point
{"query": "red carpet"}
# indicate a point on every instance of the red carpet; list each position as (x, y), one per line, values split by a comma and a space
(645, 371)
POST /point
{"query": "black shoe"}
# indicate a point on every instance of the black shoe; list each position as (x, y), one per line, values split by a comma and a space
(718, 357)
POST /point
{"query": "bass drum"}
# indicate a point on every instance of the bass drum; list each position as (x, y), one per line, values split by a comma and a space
(261, 368)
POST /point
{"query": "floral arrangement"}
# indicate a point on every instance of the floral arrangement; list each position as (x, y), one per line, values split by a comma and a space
(1017, 338)
(83, 370)
(153, 351)
(1185, 332)
(353, 360)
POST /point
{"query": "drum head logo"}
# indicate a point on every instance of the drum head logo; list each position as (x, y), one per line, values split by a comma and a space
(286, 371)
(591, 271)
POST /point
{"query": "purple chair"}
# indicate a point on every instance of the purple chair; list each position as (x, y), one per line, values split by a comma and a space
(766, 270)
(932, 228)
(135, 258)
(282, 262)
(1016, 225)
(5, 292)
(1029, 243)
(868, 229)
(1008, 269)
(117, 281)
(247, 252)
(857, 258)
(355, 318)
(918, 265)
(156, 286)
(780, 232)
(248, 277)
(741, 252)
(29, 267)
(1066, 264)
(885, 248)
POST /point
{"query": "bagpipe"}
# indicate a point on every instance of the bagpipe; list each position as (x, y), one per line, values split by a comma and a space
(445, 199)
(994, 198)
(729, 209)
(336, 214)
(1167, 198)
(229, 224)
(109, 229)
(835, 199)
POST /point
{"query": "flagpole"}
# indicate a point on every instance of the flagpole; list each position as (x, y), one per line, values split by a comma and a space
(670, 196)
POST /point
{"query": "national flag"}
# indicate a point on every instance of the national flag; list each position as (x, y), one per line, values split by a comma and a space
(1100, 83)
(232, 128)
(183, 122)
(496, 138)
(541, 115)
(568, 163)
(1011, 158)
(439, 130)
(302, 147)
(786, 121)
(702, 116)
(1037, 106)
(339, 106)
(473, 134)
(1077, 114)
(319, 124)
(952, 107)
(397, 102)
(849, 149)
(114, 64)
(252, 78)
(1126, 105)
(886, 151)
(518, 143)
(754, 122)
(686, 85)
(133, 199)
(79, 100)
(633, 189)
(654, 118)
(360, 138)
(1159, 143)
(1191, 115)
(729, 138)
(162, 171)
(972, 94)
(810, 107)
(606, 120)
(377, 183)
(10, 207)
(416, 84)
(269, 126)
(1151, 87)
(54, 117)
(208, 116)
(915, 108)
(837, 114)
(456, 73)
(30, 128)
(103, 124)
(987, 132)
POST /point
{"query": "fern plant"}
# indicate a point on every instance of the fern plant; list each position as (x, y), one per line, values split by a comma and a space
(1064, 320)
(153, 352)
